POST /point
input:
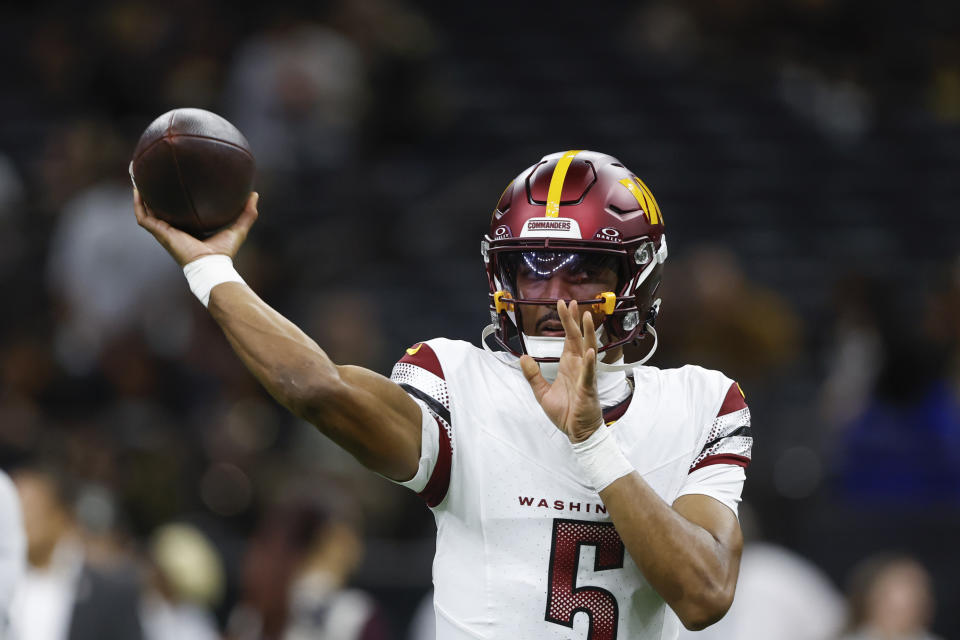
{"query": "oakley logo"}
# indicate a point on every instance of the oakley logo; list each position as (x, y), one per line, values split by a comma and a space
(501, 232)
(609, 234)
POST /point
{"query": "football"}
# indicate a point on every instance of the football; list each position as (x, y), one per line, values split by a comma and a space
(193, 169)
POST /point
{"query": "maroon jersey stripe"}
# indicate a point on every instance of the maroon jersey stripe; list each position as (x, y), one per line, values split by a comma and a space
(614, 413)
(723, 458)
(733, 402)
(423, 356)
(439, 482)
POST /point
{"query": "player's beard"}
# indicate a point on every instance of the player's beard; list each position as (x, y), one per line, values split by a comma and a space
(550, 346)
(612, 386)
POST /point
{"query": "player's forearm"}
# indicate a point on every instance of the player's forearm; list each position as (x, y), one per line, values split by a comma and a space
(371, 418)
(687, 566)
(291, 366)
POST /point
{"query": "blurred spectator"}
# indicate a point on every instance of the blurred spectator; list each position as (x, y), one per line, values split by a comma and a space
(942, 322)
(13, 244)
(77, 154)
(397, 42)
(102, 271)
(63, 596)
(890, 598)
(840, 107)
(890, 390)
(719, 319)
(944, 90)
(297, 91)
(855, 353)
(780, 595)
(424, 623)
(662, 28)
(295, 576)
(187, 580)
(13, 548)
(905, 444)
(96, 515)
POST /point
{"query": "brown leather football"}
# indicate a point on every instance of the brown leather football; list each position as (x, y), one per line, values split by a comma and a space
(193, 169)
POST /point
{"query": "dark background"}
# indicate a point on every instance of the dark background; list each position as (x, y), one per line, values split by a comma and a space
(805, 155)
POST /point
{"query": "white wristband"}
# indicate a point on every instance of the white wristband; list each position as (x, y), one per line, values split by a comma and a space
(601, 460)
(203, 274)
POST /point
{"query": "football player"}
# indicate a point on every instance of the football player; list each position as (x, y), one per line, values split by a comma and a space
(576, 496)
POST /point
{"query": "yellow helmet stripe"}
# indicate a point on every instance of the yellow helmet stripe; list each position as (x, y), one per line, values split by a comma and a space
(637, 193)
(655, 217)
(644, 198)
(556, 184)
(505, 189)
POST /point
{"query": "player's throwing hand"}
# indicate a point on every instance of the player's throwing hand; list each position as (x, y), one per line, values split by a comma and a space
(184, 247)
(572, 401)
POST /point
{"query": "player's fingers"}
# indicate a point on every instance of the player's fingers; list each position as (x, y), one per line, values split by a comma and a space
(588, 374)
(147, 220)
(138, 207)
(144, 219)
(589, 332)
(160, 232)
(247, 217)
(574, 340)
(250, 213)
(531, 371)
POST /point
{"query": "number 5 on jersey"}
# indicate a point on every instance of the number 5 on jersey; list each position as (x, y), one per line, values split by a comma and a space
(564, 597)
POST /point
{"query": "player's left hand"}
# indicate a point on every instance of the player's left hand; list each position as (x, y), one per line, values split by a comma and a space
(572, 401)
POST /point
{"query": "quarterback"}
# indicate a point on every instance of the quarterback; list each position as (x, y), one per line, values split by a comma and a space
(575, 495)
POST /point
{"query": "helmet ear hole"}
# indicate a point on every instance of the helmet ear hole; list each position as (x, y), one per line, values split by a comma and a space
(653, 313)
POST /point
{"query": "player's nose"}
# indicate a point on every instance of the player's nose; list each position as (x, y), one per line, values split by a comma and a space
(556, 287)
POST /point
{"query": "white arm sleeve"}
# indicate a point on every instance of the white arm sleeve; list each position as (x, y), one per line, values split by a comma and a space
(13, 545)
(722, 482)
(429, 449)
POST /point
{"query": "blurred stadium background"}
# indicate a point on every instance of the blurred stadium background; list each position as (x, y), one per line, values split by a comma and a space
(805, 153)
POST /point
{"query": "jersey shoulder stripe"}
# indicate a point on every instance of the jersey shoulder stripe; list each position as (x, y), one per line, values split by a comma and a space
(423, 356)
(437, 408)
(614, 413)
(436, 489)
(733, 401)
(420, 374)
(730, 440)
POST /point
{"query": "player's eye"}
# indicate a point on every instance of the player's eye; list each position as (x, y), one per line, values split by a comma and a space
(583, 273)
(525, 271)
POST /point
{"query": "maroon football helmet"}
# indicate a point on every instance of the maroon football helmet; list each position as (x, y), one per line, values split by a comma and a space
(578, 207)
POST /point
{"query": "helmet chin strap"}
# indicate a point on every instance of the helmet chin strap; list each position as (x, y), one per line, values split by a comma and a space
(552, 347)
(603, 366)
(546, 347)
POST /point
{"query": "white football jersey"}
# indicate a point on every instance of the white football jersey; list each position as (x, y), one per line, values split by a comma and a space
(524, 548)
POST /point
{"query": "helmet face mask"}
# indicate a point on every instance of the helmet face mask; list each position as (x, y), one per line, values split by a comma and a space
(576, 225)
(581, 274)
